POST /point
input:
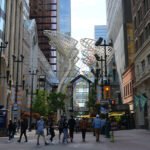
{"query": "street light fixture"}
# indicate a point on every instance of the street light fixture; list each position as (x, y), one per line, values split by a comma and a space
(103, 59)
(32, 73)
(17, 60)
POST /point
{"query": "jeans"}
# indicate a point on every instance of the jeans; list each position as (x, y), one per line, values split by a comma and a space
(65, 131)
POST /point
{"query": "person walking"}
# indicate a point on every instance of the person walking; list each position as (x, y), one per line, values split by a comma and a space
(60, 127)
(114, 126)
(52, 132)
(77, 127)
(83, 127)
(10, 130)
(65, 131)
(71, 125)
(97, 127)
(107, 128)
(40, 130)
(14, 128)
(24, 126)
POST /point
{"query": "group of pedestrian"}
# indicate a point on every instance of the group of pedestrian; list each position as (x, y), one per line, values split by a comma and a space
(65, 127)
(104, 126)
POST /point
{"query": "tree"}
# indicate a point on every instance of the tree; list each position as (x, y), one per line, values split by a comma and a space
(91, 103)
(56, 101)
(40, 104)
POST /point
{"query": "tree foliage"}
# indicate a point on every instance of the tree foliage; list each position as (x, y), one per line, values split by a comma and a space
(92, 97)
(39, 104)
(56, 101)
(45, 103)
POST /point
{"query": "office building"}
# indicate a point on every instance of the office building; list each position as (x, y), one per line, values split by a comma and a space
(45, 14)
(100, 31)
(141, 22)
(120, 31)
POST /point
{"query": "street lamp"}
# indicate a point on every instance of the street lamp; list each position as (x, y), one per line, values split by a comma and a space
(105, 81)
(103, 58)
(17, 60)
(32, 73)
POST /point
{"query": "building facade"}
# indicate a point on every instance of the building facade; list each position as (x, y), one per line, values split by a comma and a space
(3, 63)
(81, 86)
(120, 31)
(141, 22)
(64, 16)
(45, 14)
(100, 31)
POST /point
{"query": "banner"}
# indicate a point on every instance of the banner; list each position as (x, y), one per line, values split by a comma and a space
(136, 100)
(140, 100)
(143, 100)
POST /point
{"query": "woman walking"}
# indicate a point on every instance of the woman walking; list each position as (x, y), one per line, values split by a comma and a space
(40, 130)
(83, 127)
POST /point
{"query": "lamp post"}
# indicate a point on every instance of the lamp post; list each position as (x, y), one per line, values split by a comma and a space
(17, 60)
(102, 59)
(32, 73)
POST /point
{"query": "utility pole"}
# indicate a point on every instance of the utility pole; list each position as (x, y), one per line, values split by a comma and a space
(17, 60)
(32, 73)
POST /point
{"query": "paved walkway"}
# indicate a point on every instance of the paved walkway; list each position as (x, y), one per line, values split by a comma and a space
(124, 140)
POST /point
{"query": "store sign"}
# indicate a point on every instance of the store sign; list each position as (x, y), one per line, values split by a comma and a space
(120, 107)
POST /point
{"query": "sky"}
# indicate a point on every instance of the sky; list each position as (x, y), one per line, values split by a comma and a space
(84, 15)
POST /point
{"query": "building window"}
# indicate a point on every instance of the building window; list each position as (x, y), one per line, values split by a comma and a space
(135, 25)
(131, 89)
(143, 65)
(53, 67)
(53, 53)
(148, 29)
(141, 39)
(53, 60)
(53, 13)
(145, 2)
(139, 15)
(146, 32)
(53, 1)
(138, 70)
(53, 26)
(53, 20)
(148, 59)
(136, 45)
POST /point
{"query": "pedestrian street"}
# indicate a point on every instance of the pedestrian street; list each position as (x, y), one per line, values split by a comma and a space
(124, 140)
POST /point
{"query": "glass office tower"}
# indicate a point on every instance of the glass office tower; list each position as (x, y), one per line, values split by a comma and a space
(100, 31)
(65, 16)
(2, 18)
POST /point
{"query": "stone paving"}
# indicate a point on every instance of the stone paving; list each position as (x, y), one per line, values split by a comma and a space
(124, 140)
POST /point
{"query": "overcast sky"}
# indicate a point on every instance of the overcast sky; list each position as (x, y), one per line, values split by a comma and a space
(84, 15)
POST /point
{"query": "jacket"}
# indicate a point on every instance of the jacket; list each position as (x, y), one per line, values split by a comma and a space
(97, 123)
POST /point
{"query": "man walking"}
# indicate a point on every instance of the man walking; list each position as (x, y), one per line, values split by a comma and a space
(40, 130)
(24, 126)
(97, 127)
(71, 125)
(10, 130)
(60, 126)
